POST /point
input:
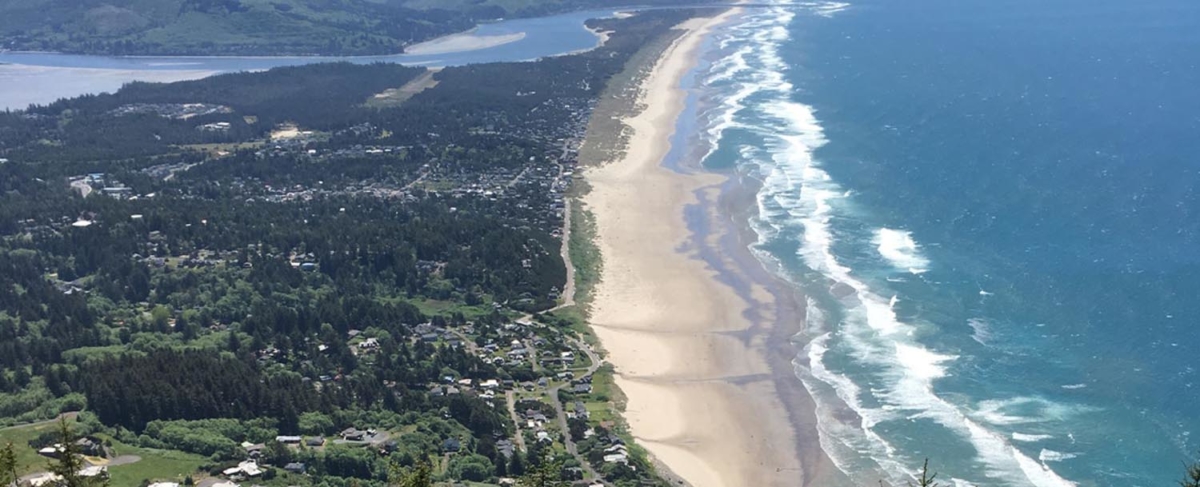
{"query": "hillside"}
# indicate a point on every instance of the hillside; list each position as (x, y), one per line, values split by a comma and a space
(250, 27)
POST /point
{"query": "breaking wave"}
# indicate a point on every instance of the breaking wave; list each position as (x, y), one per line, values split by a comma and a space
(863, 358)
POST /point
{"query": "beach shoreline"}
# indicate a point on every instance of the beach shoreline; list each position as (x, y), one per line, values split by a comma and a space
(700, 334)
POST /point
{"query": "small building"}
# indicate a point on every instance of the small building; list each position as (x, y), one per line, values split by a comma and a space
(296, 467)
(353, 434)
(248, 468)
(451, 445)
(315, 441)
(288, 440)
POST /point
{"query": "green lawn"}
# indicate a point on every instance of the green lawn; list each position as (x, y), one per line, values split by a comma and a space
(28, 461)
(155, 465)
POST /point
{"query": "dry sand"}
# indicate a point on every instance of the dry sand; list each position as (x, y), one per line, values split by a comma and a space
(467, 41)
(701, 397)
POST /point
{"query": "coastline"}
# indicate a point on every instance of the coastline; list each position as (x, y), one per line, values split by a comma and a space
(687, 318)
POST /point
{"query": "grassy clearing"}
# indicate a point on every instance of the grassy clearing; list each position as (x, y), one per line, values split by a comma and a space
(155, 465)
(584, 253)
(218, 149)
(28, 461)
(394, 97)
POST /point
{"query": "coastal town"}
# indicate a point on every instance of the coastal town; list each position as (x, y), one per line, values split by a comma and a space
(245, 290)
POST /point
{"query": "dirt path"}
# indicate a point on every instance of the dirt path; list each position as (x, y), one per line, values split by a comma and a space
(568, 294)
(511, 399)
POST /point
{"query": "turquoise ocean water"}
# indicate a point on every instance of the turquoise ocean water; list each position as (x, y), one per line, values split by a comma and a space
(992, 209)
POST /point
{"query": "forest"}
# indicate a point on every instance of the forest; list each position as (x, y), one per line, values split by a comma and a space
(189, 280)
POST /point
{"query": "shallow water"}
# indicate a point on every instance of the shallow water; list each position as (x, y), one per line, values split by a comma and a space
(45, 77)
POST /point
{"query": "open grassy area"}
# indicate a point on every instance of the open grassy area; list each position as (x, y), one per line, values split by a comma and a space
(584, 253)
(396, 96)
(154, 465)
(28, 461)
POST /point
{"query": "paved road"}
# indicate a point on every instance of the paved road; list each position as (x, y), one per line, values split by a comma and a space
(562, 416)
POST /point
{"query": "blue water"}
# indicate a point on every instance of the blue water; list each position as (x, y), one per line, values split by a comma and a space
(544, 36)
(992, 207)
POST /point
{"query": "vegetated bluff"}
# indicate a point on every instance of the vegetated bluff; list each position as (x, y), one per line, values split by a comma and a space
(252, 27)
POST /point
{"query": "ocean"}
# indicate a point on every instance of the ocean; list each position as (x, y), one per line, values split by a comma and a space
(992, 210)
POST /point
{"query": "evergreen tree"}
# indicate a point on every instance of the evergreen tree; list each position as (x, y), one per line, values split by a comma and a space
(420, 475)
(70, 461)
(926, 479)
(548, 473)
(8, 465)
(1192, 478)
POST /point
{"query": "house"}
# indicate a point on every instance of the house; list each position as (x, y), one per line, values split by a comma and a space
(248, 468)
(490, 384)
(543, 436)
(315, 441)
(451, 445)
(288, 440)
(91, 446)
(93, 471)
(253, 450)
(53, 451)
(616, 458)
(164, 484)
(582, 388)
(296, 467)
(353, 434)
(505, 447)
(46, 479)
(369, 344)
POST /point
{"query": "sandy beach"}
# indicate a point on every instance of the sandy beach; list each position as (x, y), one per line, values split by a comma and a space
(467, 41)
(690, 350)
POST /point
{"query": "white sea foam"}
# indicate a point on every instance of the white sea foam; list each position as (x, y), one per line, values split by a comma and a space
(1030, 438)
(828, 9)
(800, 200)
(1054, 456)
(981, 332)
(900, 250)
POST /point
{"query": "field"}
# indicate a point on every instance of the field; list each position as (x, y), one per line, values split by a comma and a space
(144, 463)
